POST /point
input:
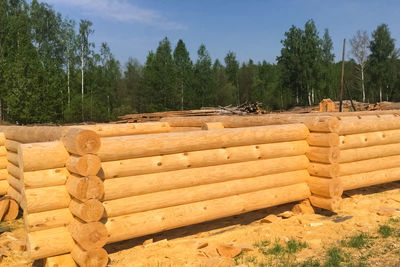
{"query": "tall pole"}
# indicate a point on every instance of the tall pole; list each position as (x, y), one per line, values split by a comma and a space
(342, 81)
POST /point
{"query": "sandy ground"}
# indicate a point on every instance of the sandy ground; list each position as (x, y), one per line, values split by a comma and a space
(198, 245)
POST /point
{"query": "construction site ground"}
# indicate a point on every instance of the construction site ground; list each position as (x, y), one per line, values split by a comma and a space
(365, 232)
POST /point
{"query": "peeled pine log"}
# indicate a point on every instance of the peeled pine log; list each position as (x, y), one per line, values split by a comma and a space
(149, 183)
(184, 129)
(202, 158)
(356, 154)
(331, 204)
(14, 194)
(4, 187)
(47, 219)
(370, 178)
(89, 211)
(12, 211)
(13, 158)
(45, 178)
(122, 129)
(323, 154)
(4, 203)
(2, 139)
(86, 165)
(369, 165)
(42, 156)
(84, 188)
(212, 126)
(193, 194)
(49, 242)
(325, 187)
(364, 126)
(32, 134)
(3, 151)
(12, 145)
(88, 235)
(149, 222)
(46, 198)
(81, 142)
(14, 182)
(65, 260)
(3, 174)
(323, 139)
(14, 170)
(369, 139)
(3, 162)
(323, 170)
(117, 148)
(96, 257)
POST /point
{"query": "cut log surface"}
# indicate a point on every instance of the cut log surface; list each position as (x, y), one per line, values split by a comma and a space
(117, 148)
(148, 183)
(65, 260)
(3, 162)
(12, 211)
(212, 126)
(86, 165)
(47, 219)
(323, 139)
(12, 145)
(85, 188)
(3, 150)
(149, 222)
(369, 139)
(323, 154)
(370, 178)
(96, 257)
(331, 204)
(325, 187)
(323, 170)
(88, 235)
(3, 174)
(81, 142)
(369, 165)
(137, 166)
(200, 193)
(42, 156)
(371, 152)
(4, 187)
(123, 129)
(4, 204)
(89, 211)
(364, 126)
(37, 199)
(45, 178)
(50, 242)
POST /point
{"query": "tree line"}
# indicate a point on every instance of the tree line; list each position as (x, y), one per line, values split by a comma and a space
(51, 71)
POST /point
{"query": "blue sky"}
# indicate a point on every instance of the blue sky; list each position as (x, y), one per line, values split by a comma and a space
(252, 29)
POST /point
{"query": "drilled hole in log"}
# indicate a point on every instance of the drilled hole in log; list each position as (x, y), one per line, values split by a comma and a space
(159, 164)
(228, 157)
(189, 166)
(257, 147)
(365, 139)
(259, 157)
(383, 135)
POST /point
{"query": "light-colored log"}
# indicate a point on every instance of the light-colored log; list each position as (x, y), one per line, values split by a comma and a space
(364, 126)
(4, 204)
(84, 188)
(86, 165)
(88, 235)
(370, 178)
(15, 182)
(13, 158)
(46, 198)
(2, 139)
(323, 154)
(32, 134)
(149, 222)
(96, 257)
(123, 129)
(65, 260)
(323, 139)
(14, 170)
(45, 178)
(184, 129)
(14, 194)
(149, 183)
(4, 187)
(202, 158)
(12, 211)
(187, 195)
(12, 145)
(47, 219)
(49, 242)
(117, 148)
(81, 142)
(369, 165)
(325, 187)
(371, 152)
(323, 170)
(212, 126)
(89, 211)
(3, 151)
(369, 139)
(3, 162)
(3, 174)
(42, 156)
(331, 204)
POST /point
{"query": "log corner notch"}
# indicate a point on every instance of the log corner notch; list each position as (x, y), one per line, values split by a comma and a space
(81, 142)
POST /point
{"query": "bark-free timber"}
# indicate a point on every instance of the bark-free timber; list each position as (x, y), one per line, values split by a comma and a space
(49, 242)
(4, 187)
(323, 154)
(323, 170)
(202, 158)
(148, 183)
(84, 188)
(12, 145)
(14, 171)
(193, 194)
(88, 235)
(46, 198)
(117, 148)
(3, 151)
(12, 211)
(323, 139)
(13, 158)
(86, 165)
(2, 139)
(356, 154)
(331, 204)
(42, 156)
(370, 178)
(212, 126)
(81, 142)
(14, 194)
(325, 187)
(47, 219)
(89, 211)
(4, 203)
(96, 257)
(363, 126)
(3, 174)
(14, 182)
(123, 129)
(369, 165)
(369, 139)
(45, 178)
(3, 162)
(65, 260)
(32, 134)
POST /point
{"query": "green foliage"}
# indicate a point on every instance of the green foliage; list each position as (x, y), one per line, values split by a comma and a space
(385, 231)
(357, 241)
(293, 246)
(335, 256)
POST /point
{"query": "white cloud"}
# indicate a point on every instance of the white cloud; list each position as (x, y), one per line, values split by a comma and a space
(123, 11)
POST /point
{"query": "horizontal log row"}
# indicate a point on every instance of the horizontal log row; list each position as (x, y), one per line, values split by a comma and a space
(3, 167)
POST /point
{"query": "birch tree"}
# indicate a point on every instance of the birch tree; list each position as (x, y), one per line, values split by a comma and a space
(359, 49)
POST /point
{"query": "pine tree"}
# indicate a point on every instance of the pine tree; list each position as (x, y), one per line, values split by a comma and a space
(184, 74)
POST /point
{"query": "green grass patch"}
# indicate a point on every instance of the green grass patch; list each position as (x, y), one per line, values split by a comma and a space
(357, 241)
(293, 246)
(385, 231)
